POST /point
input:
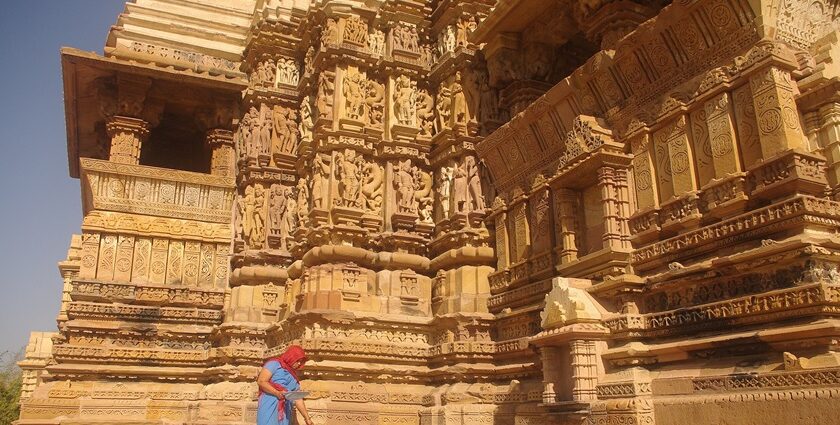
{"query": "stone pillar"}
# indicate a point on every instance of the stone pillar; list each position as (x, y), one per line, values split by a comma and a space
(127, 135)
(724, 151)
(502, 238)
(610, 207)
(830, 140)
(622, 187)
(775, 109)
(584, 364)
(566, 201)
(222, 162)
(550, 357)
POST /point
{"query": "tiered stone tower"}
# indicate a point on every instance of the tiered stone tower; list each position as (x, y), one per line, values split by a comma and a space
(467, 212)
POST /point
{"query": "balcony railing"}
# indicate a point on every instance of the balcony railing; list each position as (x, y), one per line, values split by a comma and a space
(139, 189)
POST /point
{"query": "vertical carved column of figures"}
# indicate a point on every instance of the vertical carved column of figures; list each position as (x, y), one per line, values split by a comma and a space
(254, 204)
(325, 98)
(778, 120)
(445, 182)
(283, 216)
(566, 207)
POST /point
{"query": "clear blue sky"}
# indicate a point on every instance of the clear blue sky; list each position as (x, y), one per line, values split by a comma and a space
(39, 202)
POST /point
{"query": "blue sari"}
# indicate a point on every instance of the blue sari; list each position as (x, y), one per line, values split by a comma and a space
(267, 412)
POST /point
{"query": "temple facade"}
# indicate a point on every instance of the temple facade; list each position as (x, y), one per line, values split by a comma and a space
(504, 212)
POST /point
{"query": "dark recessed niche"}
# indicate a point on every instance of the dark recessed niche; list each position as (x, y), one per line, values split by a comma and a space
(177, 143)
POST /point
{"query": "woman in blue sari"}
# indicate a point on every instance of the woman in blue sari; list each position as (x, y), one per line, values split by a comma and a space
(279, 375)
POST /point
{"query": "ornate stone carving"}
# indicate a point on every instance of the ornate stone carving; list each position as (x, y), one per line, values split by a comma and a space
(405, 100)
(404, 37)
(349, 172)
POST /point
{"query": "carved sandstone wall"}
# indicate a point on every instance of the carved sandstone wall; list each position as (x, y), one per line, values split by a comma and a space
(512, 212)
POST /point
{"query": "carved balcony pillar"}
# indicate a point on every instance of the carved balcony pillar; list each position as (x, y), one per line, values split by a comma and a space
(829, 136)
(775, 109)
(566, 202)
(584, 370)
(552, 373)
(223, 159)
(610, 22)
(610, 207)
(127, 136)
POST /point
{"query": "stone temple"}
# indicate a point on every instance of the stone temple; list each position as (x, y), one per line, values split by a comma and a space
(467, 212)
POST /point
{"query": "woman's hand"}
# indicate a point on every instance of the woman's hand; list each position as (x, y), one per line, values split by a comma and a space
(309, 421)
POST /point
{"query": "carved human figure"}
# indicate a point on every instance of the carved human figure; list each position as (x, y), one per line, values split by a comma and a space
(251, 132)
(375, 103)
(291, 137)
(449, 39)
(302, 201)
(355, 31)
(459, 100)
(404, 185)
(426, 112)
(320, 182)
(445, 189)
(353, 97)
(309, 60)
(277, 208)
(288, 71)
(377, 42)
(258, 74)
(474, 182)
(281, 130)
(405, 38)
(404, 100)
(248, 213)
(444, 109)
(426, 211)
(348, 174)
(244, 136)
(330, 33)
(268, 73)
(290, 218)
(266, 125)
(462, 32)
(306, 124)
(460, 197)
(324, 101)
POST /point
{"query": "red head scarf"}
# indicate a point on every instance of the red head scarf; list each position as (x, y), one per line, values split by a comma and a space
(289, 357)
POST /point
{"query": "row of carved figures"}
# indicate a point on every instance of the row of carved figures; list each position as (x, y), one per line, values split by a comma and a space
(262, 215)
(265, 131)
(271, 73)
(461, 101)
(258, 215)
(404, 36)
